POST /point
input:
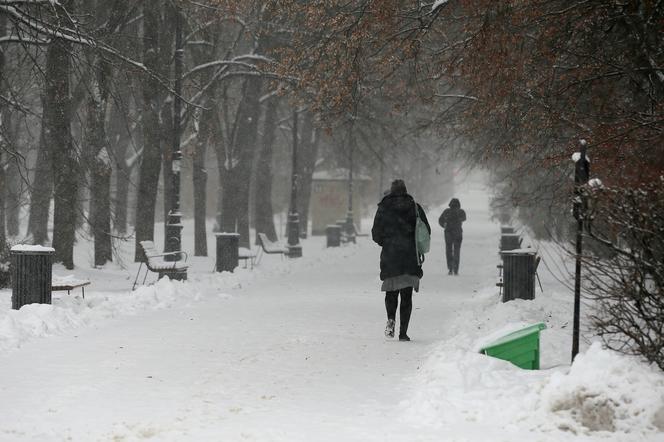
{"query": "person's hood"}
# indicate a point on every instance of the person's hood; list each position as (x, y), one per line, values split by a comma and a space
(455, 204)
(399, 202)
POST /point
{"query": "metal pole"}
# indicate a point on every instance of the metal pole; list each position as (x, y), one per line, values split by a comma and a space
(174, 225)
(581, 175)
(350, 227)
(293, 227)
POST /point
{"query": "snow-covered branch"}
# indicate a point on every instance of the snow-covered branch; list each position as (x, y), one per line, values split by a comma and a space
(236, 61)
(460, 96)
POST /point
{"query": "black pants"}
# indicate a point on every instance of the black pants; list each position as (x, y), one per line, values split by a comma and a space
(453, 250)
(391, 301)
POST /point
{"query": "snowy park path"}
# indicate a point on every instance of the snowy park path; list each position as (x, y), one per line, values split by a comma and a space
(295, 355)
(293, 351)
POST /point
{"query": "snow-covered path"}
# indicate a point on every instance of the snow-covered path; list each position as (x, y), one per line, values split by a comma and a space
(293, 351)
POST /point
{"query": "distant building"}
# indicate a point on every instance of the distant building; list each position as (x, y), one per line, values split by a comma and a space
(329, 198)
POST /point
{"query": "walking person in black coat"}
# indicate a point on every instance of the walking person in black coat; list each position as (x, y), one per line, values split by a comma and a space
(400, 268)
(451, 220)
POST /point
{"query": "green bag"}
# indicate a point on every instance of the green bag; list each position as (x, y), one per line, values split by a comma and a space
(422, 237)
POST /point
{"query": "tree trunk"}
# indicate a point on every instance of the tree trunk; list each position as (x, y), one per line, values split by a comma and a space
(263, 198)
(307, 162)
(100, 210)
(166, 51)
(120, 139)
(65, 161)
(219, 154)
(4, 145)
(121, 126)
(235, 207)
(3, 183)
(42, 188)
(14, 177)
(167, 159)
(200, 179)
(100, 166)
(14, 191)
(151, 160)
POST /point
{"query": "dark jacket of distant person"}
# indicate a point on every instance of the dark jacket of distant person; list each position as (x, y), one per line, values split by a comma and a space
(394, 231)
(452, 218)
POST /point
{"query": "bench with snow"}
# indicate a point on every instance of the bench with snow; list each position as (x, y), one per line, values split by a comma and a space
(269, 247)
(154, 262)
(247, 255)
(69, 283)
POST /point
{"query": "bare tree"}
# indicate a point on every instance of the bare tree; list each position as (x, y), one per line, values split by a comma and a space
(625, 275)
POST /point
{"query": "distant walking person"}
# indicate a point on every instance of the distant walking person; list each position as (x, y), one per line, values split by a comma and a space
(451, 220)
(400, 269)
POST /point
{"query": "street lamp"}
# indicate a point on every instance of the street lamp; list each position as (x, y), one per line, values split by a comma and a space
(174, 224)
(581, 175)
(293, 224)
(350, 224)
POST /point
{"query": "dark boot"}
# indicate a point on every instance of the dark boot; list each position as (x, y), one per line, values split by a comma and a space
(405, 310)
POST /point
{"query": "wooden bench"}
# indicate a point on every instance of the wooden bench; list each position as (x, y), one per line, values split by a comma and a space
(269, 247)
(155, 262)
(69, 283)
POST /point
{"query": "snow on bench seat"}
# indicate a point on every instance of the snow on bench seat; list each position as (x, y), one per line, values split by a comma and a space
(245, 253)
(69, 283)
(156, 261)
(270, 246)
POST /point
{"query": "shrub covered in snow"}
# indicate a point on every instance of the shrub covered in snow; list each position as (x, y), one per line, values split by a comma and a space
(627, 281)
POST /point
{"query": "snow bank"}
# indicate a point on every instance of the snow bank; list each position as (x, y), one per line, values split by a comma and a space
(606, 391)
(601, 393)
(68, 312)
(34, 320)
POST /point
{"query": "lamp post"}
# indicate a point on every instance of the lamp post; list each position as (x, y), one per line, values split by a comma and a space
(581, 175)
(350, 227)
(293, 224)
(174, 225)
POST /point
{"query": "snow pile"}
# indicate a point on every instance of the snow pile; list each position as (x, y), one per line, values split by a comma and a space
(34, 320)
(455, 385)
(606, 391)
(484, 318)
(68, 312)
(602, 393)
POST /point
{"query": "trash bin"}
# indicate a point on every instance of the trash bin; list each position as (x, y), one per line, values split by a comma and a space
(32, 271)
(509, 241)
(333, 234)
(519, 272)
(347, 232)
(521, 348)
(227, 251)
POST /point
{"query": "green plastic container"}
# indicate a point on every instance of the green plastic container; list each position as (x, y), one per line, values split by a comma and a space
(521, 348)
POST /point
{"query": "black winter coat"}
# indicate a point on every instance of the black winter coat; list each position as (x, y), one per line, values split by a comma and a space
(452, 218)
(394, 230)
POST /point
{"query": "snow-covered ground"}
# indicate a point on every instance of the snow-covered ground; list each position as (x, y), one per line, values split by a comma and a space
(294, 351)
